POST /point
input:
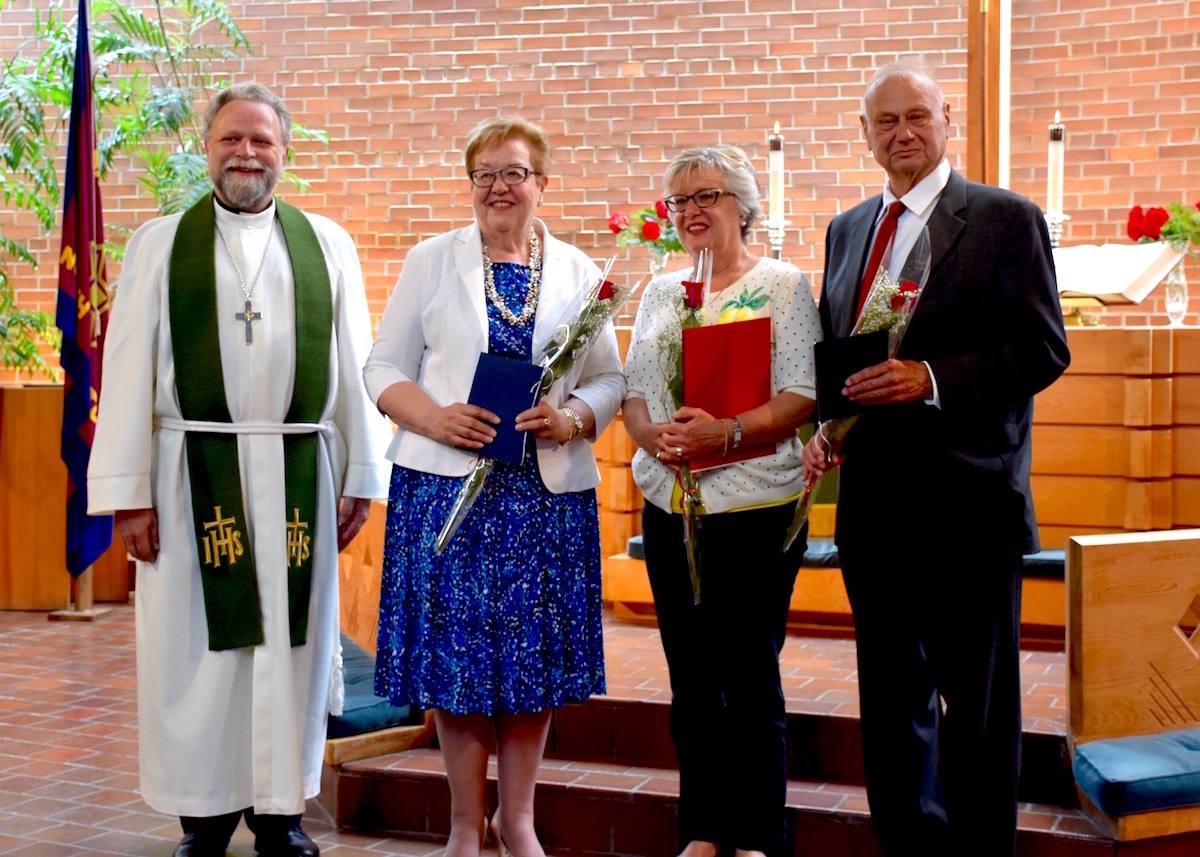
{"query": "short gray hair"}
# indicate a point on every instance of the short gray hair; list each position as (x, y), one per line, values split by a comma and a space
(729, 162)
(250, 92)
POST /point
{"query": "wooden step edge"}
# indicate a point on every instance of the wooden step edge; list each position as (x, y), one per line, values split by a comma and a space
(821, 745)
(569, 789)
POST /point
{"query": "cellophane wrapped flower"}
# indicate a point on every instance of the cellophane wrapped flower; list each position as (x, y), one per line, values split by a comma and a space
(690, 309)
(889, 306)
(571, 340)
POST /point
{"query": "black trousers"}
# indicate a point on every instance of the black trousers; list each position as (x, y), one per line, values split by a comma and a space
(220, 828)
(727, 709)
(940, 693)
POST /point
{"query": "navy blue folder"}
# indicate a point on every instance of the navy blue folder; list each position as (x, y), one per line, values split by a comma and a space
(506, 387)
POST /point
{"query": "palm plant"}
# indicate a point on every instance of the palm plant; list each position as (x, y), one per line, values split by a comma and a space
(153, 66)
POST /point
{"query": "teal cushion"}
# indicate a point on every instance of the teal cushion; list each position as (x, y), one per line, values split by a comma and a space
(1050, 563)
(821, 552)
(1141, 774)
(635, 548)
(363, 711)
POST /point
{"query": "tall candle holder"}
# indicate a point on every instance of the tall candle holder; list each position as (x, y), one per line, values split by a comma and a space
(1054, 225)
(775, 223)
(1055, 219)
(1055, 156)
(775, 230)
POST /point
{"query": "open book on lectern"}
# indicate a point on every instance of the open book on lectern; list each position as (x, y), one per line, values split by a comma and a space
(1113, 273)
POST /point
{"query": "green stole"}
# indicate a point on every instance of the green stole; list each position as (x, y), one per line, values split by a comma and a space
(227, 574)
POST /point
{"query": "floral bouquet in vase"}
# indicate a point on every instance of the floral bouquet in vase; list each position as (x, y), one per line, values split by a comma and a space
(1179, 226)
(650, 227)
(889, 306)
(572, 338)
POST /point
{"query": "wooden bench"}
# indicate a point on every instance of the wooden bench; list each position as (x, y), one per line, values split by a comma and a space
(1133, 649)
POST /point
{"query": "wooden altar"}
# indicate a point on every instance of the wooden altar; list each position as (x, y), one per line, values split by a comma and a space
(1116, 440)
(1116, 448)
(33, 508)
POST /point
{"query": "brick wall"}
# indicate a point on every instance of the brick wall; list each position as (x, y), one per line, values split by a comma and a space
(621, 87)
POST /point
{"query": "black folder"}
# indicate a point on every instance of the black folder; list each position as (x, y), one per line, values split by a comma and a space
(836, 360)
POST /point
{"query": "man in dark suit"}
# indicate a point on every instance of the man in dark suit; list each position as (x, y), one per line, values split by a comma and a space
(934, 507)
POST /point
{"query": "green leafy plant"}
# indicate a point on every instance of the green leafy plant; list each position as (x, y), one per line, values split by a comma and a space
(152, 67)
(28, 184)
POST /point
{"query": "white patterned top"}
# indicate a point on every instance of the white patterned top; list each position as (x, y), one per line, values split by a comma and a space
(771, 289)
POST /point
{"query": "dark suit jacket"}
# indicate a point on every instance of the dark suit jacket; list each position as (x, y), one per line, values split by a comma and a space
(990, 326)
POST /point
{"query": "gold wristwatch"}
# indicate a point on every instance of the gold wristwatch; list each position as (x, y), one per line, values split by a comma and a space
(576, 424)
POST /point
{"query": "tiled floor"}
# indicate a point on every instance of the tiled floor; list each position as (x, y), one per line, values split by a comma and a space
(68, 730)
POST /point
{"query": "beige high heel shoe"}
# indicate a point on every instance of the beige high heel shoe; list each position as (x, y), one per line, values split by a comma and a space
(495, 825)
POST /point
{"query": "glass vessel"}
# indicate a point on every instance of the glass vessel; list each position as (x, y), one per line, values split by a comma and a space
(659, 259)
(1175, 294)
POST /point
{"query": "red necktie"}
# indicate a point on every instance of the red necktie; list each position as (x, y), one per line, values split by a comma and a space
(886, 230)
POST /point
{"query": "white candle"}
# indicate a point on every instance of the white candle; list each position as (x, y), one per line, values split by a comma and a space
(1054, 170)
(775, 170)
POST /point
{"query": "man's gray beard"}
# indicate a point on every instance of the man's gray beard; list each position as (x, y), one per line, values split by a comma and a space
(247, 193)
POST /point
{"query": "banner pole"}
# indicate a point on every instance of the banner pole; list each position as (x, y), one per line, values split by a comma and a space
(83, 608)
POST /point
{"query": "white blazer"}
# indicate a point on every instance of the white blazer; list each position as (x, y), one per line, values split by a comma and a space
(435, 327)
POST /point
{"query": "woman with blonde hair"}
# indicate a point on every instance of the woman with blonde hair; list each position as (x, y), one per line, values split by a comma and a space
(504, 625)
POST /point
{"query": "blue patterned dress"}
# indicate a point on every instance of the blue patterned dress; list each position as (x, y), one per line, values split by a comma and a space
(507, 619)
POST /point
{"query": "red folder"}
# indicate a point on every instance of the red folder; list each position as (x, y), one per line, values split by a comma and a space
(727, 371)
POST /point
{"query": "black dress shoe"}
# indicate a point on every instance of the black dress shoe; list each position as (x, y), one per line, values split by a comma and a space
(194, 845)
(287, 842)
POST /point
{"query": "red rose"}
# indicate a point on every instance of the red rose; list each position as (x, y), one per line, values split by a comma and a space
(693, 294)
(908, 291)
(661, 208)
(651, 230)
(1152, 222)
(1133, 228)
(606, 290)
(618, 222)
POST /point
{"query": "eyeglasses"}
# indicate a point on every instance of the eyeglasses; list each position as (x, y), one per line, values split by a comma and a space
(513, 175)
(703, 199)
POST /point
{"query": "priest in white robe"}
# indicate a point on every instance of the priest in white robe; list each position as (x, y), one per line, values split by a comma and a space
(237, 606)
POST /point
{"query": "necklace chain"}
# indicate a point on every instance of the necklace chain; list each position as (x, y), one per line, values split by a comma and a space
(535, 279)
(249, 293)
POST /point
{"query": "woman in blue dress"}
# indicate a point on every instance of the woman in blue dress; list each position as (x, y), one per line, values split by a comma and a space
(504, 625)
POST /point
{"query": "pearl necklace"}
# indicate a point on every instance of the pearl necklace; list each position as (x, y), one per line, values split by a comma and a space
(535, 279)
(248, 315)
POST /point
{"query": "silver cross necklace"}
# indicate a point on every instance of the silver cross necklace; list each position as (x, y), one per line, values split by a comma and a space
(248, 315)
